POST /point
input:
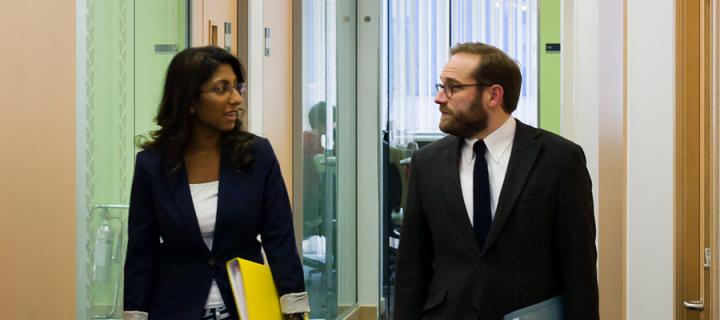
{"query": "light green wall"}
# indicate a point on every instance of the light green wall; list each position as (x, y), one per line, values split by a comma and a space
(550, 16)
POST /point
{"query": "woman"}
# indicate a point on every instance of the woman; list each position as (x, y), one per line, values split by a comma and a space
(203, 191)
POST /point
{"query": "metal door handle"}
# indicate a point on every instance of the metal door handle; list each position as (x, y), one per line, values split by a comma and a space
(696, 305)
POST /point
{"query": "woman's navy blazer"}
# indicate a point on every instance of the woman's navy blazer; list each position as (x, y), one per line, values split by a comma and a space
(169, 269)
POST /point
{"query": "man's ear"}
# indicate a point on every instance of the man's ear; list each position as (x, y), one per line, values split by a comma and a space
(192, 109)
(497, 94)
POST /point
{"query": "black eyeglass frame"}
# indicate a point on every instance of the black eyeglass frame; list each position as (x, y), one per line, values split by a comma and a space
(452, 87)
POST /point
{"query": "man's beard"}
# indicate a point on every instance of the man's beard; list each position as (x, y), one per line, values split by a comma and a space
(465, 124)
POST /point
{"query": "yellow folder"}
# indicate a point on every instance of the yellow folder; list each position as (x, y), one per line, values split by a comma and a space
(254, 290)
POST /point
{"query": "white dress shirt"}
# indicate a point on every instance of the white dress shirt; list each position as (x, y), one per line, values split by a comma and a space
(499, 147)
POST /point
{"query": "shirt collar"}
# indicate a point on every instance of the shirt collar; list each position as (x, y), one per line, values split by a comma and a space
(498, 141)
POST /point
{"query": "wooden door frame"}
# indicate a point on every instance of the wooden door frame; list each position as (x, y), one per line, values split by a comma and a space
(694, 153)
(713, 147)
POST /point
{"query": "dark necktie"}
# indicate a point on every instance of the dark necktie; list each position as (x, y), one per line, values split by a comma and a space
(482, 217)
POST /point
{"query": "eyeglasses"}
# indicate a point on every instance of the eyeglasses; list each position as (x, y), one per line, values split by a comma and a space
(450, 89)
(225, 88)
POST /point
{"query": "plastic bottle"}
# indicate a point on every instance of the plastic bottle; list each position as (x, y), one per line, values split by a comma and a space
(102, 252)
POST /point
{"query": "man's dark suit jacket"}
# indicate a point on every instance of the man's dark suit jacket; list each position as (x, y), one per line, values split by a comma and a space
(171, 278)
(541, 242)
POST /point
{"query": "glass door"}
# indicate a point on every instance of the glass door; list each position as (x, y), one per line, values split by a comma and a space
(325, 116)
(124, 47)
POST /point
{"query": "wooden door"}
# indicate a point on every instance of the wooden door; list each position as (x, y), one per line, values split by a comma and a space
(215, 22)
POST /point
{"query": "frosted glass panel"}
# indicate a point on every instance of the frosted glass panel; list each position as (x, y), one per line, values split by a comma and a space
(124, 48)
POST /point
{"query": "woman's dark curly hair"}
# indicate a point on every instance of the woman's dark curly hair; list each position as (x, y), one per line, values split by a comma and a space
(187, 72)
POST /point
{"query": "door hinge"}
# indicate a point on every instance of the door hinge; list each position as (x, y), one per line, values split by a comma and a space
(708, 258)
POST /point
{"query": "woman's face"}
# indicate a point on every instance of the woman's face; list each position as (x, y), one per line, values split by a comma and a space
(218, 106)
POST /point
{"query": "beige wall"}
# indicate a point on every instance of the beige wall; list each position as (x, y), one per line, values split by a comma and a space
(277, 84)
(37, 161)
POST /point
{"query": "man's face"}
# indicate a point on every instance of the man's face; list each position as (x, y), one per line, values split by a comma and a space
(464, 114)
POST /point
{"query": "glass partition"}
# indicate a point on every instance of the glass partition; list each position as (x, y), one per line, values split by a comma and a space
(124, 47)
(327, 171)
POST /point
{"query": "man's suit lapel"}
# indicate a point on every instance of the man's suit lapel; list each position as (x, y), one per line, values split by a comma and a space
(180, 191)
(522, 159)
(450, 175)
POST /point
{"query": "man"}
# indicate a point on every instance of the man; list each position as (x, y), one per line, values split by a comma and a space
(511, 227)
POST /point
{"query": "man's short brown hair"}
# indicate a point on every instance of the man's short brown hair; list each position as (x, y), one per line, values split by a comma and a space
(495, 67)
